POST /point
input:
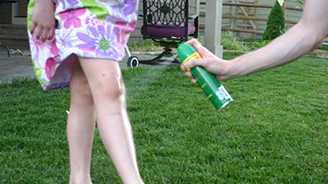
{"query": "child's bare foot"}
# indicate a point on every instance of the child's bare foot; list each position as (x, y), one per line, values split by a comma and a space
(43, 20)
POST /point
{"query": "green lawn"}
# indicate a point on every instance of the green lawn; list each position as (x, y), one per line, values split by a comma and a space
(276, 130)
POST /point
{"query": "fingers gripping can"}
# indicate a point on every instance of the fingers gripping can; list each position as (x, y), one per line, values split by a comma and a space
(212, 88)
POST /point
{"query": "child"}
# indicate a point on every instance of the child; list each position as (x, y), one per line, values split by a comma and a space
(78, 43)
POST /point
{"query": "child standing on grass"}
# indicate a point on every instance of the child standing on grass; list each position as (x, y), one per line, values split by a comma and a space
(78, 43)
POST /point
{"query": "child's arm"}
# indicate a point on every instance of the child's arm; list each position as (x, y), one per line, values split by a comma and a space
(43, 20)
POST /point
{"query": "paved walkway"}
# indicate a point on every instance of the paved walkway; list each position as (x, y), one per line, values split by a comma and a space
(15, 67)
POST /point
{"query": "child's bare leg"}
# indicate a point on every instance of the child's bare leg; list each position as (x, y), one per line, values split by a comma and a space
(107, 88)
(80, 127)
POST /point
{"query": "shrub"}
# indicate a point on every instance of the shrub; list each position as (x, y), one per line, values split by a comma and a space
(276, 23)
(230, 42)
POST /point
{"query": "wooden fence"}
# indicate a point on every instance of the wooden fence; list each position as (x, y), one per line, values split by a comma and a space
(251, 18)
(246, 18)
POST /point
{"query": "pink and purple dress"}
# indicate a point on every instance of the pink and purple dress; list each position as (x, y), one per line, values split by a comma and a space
(85, 28)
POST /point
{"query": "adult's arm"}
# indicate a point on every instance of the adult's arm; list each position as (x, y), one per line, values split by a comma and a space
(297, 41)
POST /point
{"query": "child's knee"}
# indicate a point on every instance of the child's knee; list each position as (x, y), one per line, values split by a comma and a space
(86, 96)
(109, 91)
(81, 93)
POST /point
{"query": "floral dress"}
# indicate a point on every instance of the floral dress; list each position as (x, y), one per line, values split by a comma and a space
(85, 28)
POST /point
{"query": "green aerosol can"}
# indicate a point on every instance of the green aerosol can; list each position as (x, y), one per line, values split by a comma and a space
(212, 88)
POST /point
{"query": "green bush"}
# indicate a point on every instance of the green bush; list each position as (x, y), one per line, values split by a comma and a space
(256, 44)
(230, 42)
(276, 23)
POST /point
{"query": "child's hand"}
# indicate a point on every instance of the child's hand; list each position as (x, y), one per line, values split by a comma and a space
(213, 64)
(43, 20)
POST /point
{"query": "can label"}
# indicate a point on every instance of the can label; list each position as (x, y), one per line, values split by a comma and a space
(192, 56)
(223, 94)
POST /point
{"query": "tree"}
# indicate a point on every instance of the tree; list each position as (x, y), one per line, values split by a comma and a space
(276, 23)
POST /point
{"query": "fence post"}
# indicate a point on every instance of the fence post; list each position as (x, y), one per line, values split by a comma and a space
(213, 26)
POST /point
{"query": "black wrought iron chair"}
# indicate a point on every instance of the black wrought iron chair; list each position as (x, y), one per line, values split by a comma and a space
(168, 23)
